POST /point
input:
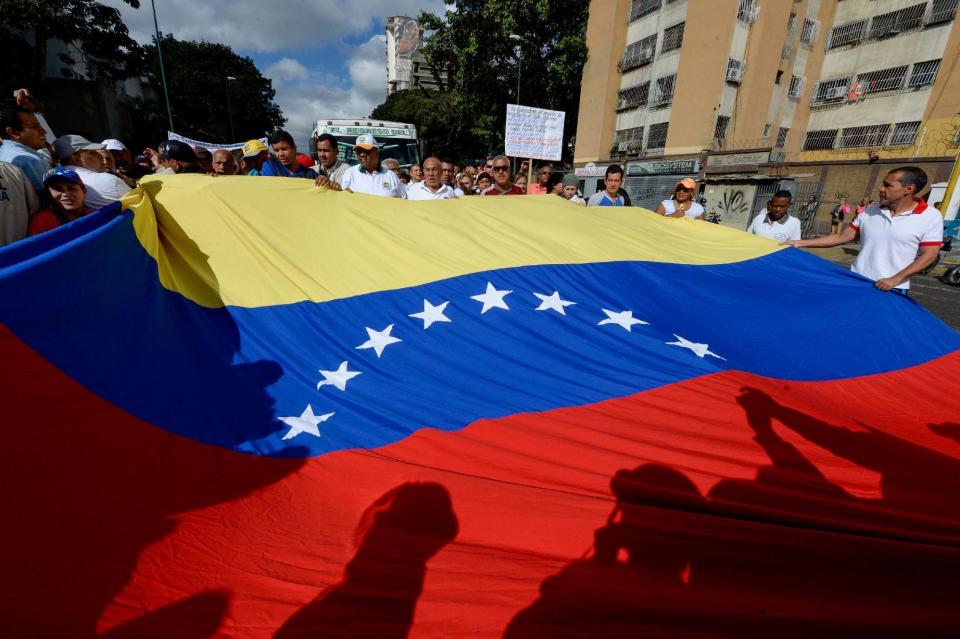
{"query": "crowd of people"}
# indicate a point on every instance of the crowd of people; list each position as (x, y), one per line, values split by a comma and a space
(44, 185)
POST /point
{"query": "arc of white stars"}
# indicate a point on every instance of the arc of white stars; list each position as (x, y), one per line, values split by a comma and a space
(431, 314)
(552, 302)
(624, 319)
(700, 350)
(379, 340)
(492, 298)
(337, 378)
(307, 422)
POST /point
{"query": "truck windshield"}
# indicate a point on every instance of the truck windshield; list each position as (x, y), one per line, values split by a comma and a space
(402, 150)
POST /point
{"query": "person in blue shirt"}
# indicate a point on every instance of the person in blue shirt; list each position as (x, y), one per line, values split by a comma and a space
(610, 195)
(285, 163)
(22, 137)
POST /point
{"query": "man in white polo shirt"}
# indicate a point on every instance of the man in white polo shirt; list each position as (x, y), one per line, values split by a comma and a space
(430, 187)
(900, 235)
(82, 155)
(776, 223)
(369, 176)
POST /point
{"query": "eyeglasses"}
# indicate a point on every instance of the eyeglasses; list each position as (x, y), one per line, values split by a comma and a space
(502, 168)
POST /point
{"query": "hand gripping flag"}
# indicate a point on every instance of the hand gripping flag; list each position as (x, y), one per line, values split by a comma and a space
(253, 408)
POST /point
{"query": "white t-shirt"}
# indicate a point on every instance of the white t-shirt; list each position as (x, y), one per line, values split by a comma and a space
(784, 229)
(382, 182)
(695, 210)
(102, 188)
(890, 242)
(420, 191)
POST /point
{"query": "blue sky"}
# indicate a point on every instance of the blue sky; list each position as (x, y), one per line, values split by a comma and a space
(327, 58)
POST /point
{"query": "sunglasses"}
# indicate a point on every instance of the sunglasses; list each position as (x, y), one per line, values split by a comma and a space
(684, 189)
(501, 168)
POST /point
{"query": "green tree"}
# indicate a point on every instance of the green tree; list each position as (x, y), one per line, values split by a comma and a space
(472, 43)
(433, 112)
(96, 30)
(197, 77)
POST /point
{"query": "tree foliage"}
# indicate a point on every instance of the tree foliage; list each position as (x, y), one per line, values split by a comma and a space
(434, 113)
(96, 32)
(472, 43)
(197, 75)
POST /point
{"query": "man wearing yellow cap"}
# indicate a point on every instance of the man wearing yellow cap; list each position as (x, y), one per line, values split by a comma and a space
(369, 176)
(255, 152)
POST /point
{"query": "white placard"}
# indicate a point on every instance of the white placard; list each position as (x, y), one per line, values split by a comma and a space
(210, 146)
(534, 133)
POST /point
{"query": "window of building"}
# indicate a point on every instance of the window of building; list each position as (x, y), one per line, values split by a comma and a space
(779, 76)
(630, 140)
(657, 137)
(817, 140)
(942, 11)
(663, 90)
(747, 11)
(863, 136)
(882, 80)
(639, 53)
(735, 70)
(797, 84)
(849, 33)
(830, 91)
(720, 130)
(924, 73)
(792, 22)
(766, 131)
(640, 8)
(782, 137)
(904, 133)
(956, 136)
(892, 23)
(633, 97)
(672, 38)
(810, 31)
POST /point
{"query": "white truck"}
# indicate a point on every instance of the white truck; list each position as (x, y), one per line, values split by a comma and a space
(396, 140)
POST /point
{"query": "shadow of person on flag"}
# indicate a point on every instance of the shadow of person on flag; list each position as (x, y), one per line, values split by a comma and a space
(396, 537)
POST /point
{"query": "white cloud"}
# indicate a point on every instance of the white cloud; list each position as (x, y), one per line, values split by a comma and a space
(286, 69)
(306, 100)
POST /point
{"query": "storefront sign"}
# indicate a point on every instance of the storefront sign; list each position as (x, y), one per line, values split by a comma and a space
(737, 159)
(664, 167)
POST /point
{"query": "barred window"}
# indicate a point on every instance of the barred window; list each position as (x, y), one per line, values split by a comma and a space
(734, 70)
(639, 53)
(747, 11)
(849, 33)
(720, 130)
(904, 133)
(782, 137)
(630, 140)
(810, 31)
(888, 24)
(641, 8)
(663, 90)
(863, 136)
(657, 137)
(942, 11)
(924, 73)
(633, 97)
(831, 90)
(882, 80)
(816, 140)
(797, 84)
(672, 38)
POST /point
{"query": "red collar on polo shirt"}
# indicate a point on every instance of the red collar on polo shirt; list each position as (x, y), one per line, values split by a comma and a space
(921, 205)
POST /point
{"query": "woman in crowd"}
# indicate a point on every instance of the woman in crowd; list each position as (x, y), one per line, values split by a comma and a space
(521, 181)
(67, 195)
(682, 203)
(555, 184)
(570, 188)
(483, 181)
(465, 184)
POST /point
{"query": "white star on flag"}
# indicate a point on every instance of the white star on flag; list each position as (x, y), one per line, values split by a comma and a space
(379, 340)
(306, 423)
(699, 349)
(552, 302)
(431, 314)
(492, 298)
(624, 319)
(338, 378)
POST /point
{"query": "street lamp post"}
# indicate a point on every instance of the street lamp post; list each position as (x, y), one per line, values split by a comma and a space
(519, 54)
(233, 136)
(163, 75)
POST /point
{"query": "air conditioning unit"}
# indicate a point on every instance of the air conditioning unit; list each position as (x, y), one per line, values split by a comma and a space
(734, 74)
(634, 147)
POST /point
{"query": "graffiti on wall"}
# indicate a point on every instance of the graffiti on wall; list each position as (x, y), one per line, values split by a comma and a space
(733, 202)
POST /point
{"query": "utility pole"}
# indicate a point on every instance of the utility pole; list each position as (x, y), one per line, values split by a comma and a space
(163, 75)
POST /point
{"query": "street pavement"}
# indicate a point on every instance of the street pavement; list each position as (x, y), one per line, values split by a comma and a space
(940, 299)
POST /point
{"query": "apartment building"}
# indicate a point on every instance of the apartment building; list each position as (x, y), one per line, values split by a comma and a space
(753, 95)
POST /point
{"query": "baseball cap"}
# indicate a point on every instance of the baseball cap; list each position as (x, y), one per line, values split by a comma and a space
(483, 174)
(304, 160)
(688, 183)
(62, 173)
(366, 141)
(113, 145)
(570, 179)
(67, 145)
(251, 148)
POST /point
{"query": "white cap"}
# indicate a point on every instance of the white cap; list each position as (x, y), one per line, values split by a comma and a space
(114, 145)
(67, 145)
(366, 141)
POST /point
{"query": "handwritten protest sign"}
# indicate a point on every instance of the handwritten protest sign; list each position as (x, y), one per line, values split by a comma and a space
(534, 133)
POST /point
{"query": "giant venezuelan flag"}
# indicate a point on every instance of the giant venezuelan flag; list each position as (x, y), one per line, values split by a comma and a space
(248, 408)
